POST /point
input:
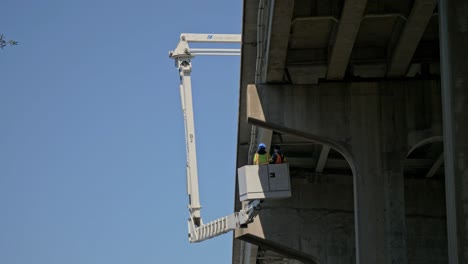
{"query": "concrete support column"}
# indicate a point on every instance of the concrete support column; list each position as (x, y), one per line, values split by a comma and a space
(454, 61)
(378, 142)
(369, 123)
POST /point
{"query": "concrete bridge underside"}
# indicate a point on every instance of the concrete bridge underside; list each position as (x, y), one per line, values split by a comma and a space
(368, 101)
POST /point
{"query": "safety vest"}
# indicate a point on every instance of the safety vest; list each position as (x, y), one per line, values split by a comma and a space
(280, 158)
(260, 159)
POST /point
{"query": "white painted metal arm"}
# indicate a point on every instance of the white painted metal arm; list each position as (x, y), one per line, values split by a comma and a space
(215, 38)
(224, 224)
(182, 56)
(183, 51)
(192, 174)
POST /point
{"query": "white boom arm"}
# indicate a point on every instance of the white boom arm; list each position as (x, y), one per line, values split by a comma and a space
(182, 56)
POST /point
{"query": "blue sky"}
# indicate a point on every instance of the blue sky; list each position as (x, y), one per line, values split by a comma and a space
(92, 150)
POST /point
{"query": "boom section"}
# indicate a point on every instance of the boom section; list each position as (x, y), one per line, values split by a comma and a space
(182, 56)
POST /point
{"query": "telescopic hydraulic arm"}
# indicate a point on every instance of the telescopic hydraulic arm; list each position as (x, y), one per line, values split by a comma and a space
(182, 56)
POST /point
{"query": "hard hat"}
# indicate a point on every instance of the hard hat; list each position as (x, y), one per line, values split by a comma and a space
(261, 145)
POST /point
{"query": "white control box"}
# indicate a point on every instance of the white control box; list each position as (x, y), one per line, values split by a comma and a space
(264, 182)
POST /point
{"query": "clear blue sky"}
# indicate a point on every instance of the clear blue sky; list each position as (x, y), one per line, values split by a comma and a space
(92, 150)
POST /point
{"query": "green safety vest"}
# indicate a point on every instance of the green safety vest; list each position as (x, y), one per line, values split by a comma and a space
(261, 158)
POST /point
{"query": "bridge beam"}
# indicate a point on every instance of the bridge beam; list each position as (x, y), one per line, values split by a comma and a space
(348, 27)
(278, 39)
(415, 26)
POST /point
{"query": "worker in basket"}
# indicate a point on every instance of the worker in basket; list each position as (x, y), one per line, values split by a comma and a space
(277, 157)
(261, 156)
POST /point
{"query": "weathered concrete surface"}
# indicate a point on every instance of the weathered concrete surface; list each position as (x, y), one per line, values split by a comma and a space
(372, 124)
(425, 221)
(323, 111)
(454, 61)
(320, 230)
